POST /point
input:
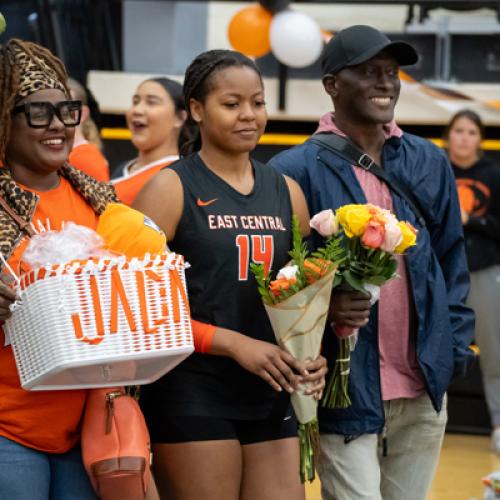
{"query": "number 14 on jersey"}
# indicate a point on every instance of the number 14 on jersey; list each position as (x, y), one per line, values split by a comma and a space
(260, 248)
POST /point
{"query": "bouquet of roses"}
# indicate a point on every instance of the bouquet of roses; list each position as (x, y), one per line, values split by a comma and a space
(370, 237)
(297, 304)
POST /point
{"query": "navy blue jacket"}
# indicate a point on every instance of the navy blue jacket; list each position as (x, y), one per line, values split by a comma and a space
(437, 270)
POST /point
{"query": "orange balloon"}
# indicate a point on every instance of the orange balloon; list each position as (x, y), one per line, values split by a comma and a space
(248, 31)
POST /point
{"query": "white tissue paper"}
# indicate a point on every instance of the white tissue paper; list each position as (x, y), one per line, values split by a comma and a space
(70, 243)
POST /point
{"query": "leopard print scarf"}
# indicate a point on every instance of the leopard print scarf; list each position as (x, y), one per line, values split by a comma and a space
(97, 194)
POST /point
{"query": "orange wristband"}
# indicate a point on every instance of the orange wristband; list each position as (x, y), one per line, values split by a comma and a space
(203, 334)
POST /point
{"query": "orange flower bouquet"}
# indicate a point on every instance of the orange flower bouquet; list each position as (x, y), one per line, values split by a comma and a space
(297, 303)
(370, 237)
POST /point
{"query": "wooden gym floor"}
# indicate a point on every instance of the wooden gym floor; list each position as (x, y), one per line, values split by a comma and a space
(464, 461)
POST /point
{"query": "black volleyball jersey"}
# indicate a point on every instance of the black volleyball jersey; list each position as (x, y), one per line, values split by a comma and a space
(220, 233)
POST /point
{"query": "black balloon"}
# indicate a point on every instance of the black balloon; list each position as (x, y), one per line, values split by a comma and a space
(274, 5)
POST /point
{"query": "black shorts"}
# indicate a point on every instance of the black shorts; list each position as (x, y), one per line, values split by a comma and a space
(183, 429)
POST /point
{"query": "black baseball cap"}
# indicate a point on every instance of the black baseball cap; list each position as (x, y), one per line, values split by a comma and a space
(357, 44)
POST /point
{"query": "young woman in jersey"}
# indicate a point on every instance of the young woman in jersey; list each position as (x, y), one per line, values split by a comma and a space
(478, 184)
(157, 122)
(221, 424)
(40, 458)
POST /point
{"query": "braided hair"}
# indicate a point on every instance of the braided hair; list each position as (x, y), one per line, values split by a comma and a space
(198, 82)
(10, 79)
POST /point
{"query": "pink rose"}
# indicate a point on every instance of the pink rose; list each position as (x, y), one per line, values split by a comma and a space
(325, 223)
(374, 234)
(392, 238)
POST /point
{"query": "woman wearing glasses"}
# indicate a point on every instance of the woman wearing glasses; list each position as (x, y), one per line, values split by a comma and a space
(39, 431)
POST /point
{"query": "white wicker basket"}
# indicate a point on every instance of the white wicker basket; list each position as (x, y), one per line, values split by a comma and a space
(101, 323)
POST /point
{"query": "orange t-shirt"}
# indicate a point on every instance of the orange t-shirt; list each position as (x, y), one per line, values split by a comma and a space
(88, 158)
(128, 185)
(48, 421)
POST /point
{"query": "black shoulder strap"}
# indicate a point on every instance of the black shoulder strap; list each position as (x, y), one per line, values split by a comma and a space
(352, 154)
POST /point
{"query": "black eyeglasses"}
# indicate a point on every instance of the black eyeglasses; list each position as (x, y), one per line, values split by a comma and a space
(40, 114)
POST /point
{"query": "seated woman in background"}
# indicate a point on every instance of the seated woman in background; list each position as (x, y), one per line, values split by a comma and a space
(157, 121)
(40, 456)
(86, 154)
(478, 184)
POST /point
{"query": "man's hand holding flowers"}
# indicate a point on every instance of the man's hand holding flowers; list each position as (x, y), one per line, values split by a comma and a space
(349, 310)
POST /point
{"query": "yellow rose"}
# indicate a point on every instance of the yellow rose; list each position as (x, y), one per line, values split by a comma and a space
(409, 234)
(354, 219)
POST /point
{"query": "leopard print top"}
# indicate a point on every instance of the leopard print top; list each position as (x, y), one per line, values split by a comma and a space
(97, 194)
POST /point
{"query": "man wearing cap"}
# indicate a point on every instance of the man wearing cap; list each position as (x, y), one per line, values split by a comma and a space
(415, 339)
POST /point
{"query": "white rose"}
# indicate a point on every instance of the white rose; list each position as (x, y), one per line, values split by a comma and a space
(288, 272)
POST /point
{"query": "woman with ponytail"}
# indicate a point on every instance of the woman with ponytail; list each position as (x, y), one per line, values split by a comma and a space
(157, 121)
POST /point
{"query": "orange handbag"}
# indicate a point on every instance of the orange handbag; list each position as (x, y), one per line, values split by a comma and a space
(115, 445)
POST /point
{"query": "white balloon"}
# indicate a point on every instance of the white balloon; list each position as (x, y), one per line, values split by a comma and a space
(295, 39)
